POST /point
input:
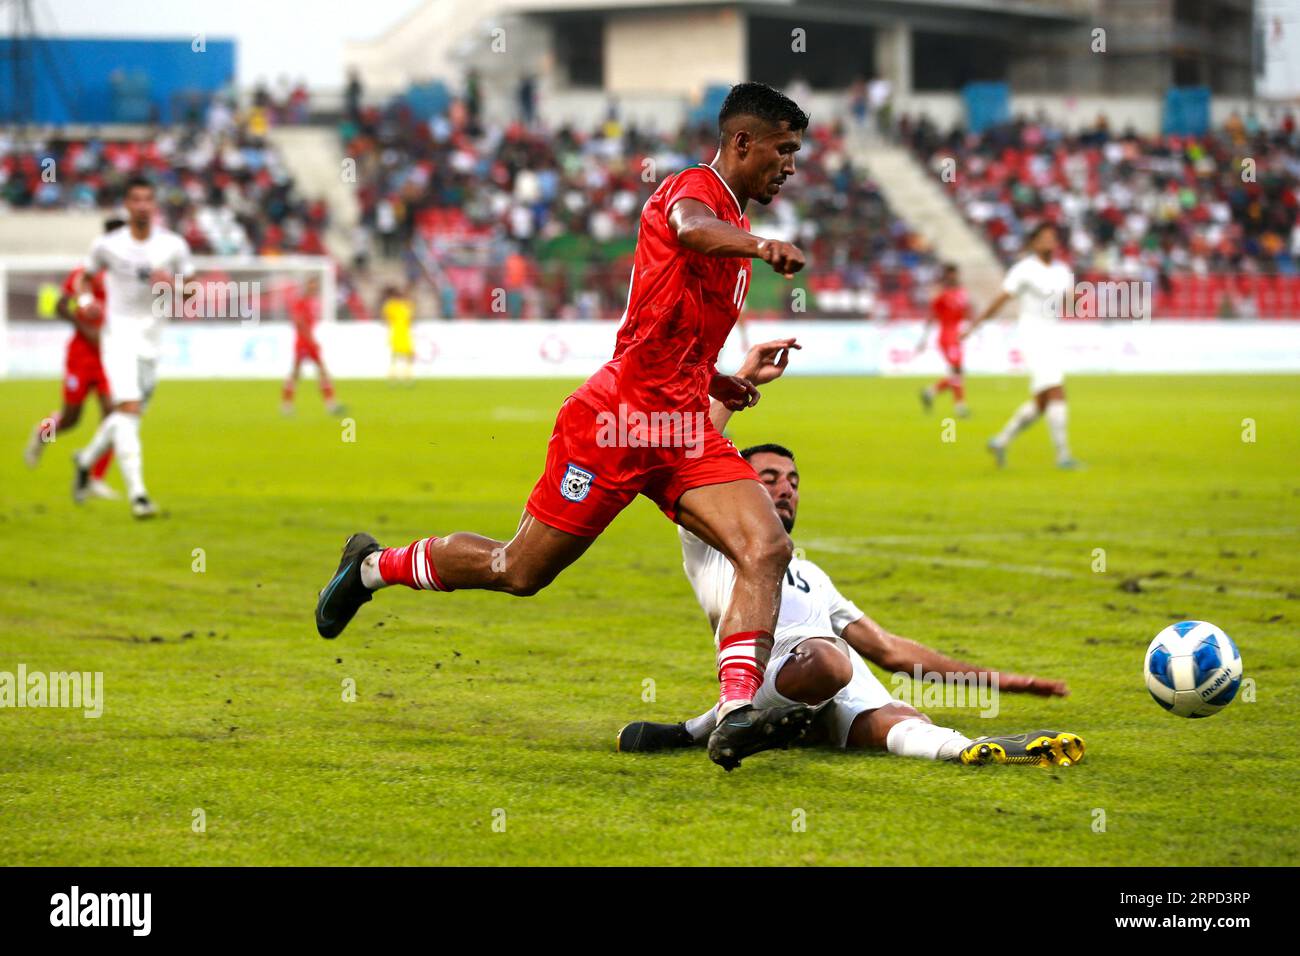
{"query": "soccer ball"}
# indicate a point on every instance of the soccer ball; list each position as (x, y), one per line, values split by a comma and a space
(1193, 669)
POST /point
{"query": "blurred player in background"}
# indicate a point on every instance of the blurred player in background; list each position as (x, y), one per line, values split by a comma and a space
(135, 261)
(82, 371)
(397, 312)
(692, 269)
(822, 638)
(950, 308)
(1039, 283)
(304, 313)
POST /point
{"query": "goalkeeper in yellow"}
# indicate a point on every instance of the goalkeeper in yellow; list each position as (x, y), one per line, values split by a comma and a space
(397, 311)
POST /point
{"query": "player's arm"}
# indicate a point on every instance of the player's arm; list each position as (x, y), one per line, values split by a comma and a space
(763, 363)
(72, 305)
(900, 654)
(698, 229)
(925, 329)
(989, 311)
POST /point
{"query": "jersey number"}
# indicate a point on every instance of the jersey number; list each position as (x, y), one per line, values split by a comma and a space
(802, 585)
(741, 281)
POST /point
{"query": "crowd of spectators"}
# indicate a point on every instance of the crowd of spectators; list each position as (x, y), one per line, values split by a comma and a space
(1148, 206)
(550, 215)
(220, 183)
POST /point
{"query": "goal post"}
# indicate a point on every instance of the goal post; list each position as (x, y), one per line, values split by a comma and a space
(245, 289)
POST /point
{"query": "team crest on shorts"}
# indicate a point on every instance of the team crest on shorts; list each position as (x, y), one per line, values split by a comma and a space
(576, 483)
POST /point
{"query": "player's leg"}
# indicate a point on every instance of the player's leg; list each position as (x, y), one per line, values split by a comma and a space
(98, 487)
(46, 431)
(1024, 416)
(738, 519)
(568, 509)
(461, 561)
(522, 566)
(957, 380)
(79, 376)
(327, 387)
(291, 384)
(812, 673)
(1052, 402)
(131, 380)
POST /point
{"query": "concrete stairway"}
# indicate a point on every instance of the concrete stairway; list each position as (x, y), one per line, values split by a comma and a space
(314, 156)
(919, 199)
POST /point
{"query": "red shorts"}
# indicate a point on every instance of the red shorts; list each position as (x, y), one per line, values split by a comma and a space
(952, 353)
(82, 372)
(306, 349)
(591, 474)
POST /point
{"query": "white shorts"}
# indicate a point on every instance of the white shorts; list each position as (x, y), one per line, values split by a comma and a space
(131, 375)
(863, 692)
(1046, 365)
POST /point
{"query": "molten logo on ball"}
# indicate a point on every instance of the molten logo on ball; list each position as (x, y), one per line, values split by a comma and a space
(1193, 669)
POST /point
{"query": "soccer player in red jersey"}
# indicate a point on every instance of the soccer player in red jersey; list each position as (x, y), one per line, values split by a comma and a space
(950, 309)
(640, 425)
(82, 371)
(304, 312)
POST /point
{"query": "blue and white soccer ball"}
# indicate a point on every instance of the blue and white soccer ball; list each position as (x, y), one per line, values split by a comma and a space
(1193, 669)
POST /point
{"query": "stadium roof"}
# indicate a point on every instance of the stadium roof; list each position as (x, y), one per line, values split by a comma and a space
(971, 14)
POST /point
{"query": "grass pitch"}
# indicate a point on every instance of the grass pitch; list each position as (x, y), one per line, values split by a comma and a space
(477, 709)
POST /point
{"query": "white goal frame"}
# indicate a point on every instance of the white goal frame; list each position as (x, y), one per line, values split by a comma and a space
(320, 266)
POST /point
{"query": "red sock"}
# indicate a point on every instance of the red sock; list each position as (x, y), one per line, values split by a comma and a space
(411, 566)
(287, 394)
(739, 671)
(940, 385)
(958, 389)
(101, 466)
(327, 391)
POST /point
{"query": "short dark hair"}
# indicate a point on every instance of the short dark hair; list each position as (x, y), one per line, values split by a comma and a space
(759, 99)
(1039, 229)
(770, 448)
(137, 182)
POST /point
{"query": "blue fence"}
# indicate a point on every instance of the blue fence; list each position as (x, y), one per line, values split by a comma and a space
(64, 80)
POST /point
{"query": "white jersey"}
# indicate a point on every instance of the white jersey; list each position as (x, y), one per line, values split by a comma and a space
(1039, 289)
(130, 318)
(810, 605)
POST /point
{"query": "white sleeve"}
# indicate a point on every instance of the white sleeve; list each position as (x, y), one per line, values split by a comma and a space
(96, 259)
(843, 612)
(184, 264)
(1014, 278)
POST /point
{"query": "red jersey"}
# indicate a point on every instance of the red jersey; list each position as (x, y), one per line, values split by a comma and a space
(681, 307)
(304, 312)
(97, 290)
(950, 307)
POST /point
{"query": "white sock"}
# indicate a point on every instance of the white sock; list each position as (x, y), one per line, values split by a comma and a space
(1021, 418)
(370, 572)
(1056, 418)
(723, 709)
(701, 726)
(130, 456)
(100, 441)
(915, 737)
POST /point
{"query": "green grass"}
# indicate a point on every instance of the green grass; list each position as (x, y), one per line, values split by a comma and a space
(220, 696)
